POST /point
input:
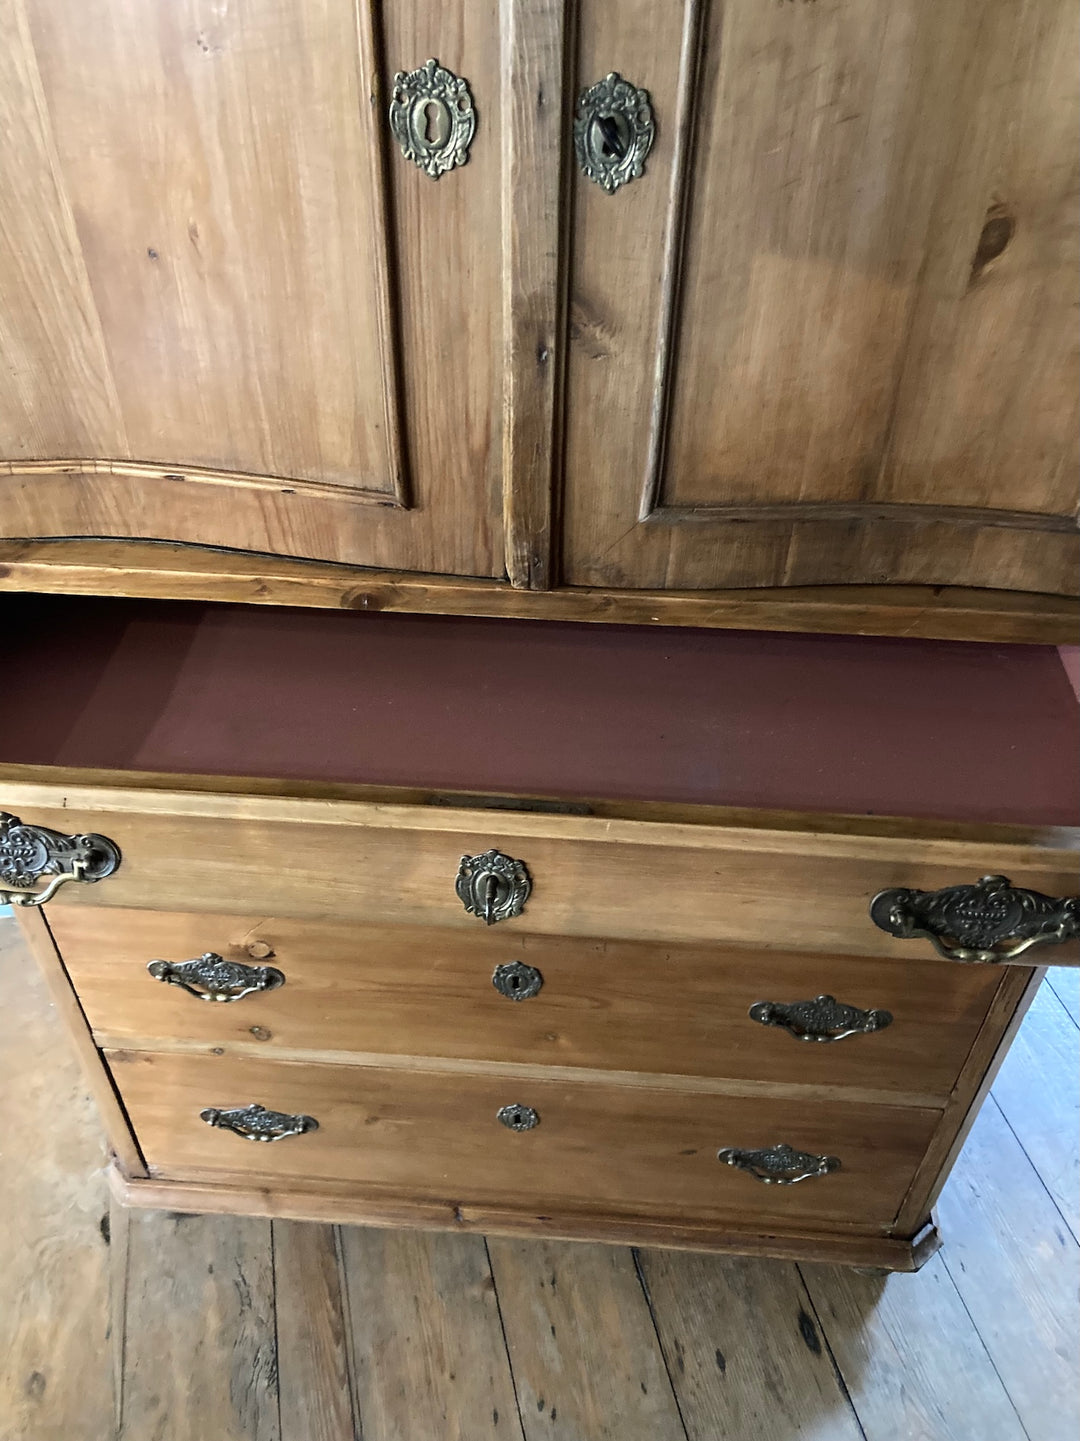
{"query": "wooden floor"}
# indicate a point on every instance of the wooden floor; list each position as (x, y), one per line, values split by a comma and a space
(160, 1327)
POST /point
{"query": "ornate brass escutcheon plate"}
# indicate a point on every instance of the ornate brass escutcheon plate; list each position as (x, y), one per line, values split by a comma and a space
(432, 117)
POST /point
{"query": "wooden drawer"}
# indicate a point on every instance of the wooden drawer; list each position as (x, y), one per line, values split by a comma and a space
(624, 1149)
(665, 873)
(616, 1006)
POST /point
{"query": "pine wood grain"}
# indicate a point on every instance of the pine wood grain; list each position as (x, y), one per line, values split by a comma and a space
(840, 366)
(911, 1359)
(200, 1355)
(190, 572)
(407, 991)
(315, 1382)
(1038, 1091)
(1014, 1263)
(737, 1332)
(582, 1344)
(427, 1343)
(56, 1381)
(604, 1149)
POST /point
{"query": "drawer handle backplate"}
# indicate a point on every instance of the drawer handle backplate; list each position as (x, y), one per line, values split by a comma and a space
(212, 978)
(822, 1019)
(256, 1123)
(28, 854)
(493, 886)
(991, 921)
(779, 1165)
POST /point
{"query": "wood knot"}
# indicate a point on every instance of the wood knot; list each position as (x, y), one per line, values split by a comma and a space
(999, 227)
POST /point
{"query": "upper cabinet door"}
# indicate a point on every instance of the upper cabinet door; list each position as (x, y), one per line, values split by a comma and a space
(232, 312)
(829, 334)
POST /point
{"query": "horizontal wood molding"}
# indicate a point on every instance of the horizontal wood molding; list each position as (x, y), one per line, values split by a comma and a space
(200, 475)
(355, 1207)
(804, 510)
(158, 570)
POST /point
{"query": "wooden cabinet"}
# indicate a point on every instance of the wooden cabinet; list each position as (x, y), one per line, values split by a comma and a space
(529, 939)
(822, 338)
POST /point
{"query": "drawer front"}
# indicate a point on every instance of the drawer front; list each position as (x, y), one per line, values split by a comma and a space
(624, 1149)
(794, 882)
(618, 1006)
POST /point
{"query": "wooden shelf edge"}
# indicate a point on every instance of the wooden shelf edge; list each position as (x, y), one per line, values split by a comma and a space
(890, 1253)
(162, 571)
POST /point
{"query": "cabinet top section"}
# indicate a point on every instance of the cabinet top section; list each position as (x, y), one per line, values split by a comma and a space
(870, 727)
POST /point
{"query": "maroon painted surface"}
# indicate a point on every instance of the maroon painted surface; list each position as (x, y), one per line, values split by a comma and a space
(919, 728)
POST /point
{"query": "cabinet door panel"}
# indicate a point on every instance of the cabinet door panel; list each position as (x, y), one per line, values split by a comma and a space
(228, 295)
(825, 337)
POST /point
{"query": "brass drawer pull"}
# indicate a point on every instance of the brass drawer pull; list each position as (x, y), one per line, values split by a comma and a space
(517, 981)
(613, 132)
(779, 1165)
(256, 1123)
(28, 853)
(432, 117)
(517, 1118)
(990, 921)
(822, 1019)
(212, 978)
(493, 886)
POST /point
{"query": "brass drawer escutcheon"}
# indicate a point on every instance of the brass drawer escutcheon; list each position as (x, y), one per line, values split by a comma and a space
(517, 1118)
(256, 1123)
(779, 1165)
(517, 981)
(822, 1019)
(432, 117)
(493, 886)
(614, 131)
(989, 922)
(212, 978)
(28, 854)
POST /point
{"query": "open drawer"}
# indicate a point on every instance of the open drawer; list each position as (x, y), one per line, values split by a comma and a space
(397, 745)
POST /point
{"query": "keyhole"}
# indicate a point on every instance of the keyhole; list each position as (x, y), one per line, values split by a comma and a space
(432, 121)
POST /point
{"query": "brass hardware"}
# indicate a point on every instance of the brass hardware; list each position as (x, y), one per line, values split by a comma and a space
(779, 1165)
(493, 886)
(212, 978)
(28, 853)
(432, 117)
(256, 1123)
(518, 1118)
(990, 922)
(822, 1019)
(517, 981)
(614, 131)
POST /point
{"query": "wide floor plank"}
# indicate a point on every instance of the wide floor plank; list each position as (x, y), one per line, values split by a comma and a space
(56, 1381)
(1038, 1090)
(587, 1363)
(745, 1355)
(1064, 981)
(314, 1362)
(1014, 1262)
(200, 1357)
(428, 1351)
(912, 1361)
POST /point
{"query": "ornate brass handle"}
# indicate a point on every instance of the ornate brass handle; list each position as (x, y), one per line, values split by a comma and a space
(779, 1165)
(212, 978)
(256, 1123)
(992, 921)
(822, 1019)
(493, 886)
(29, 853)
